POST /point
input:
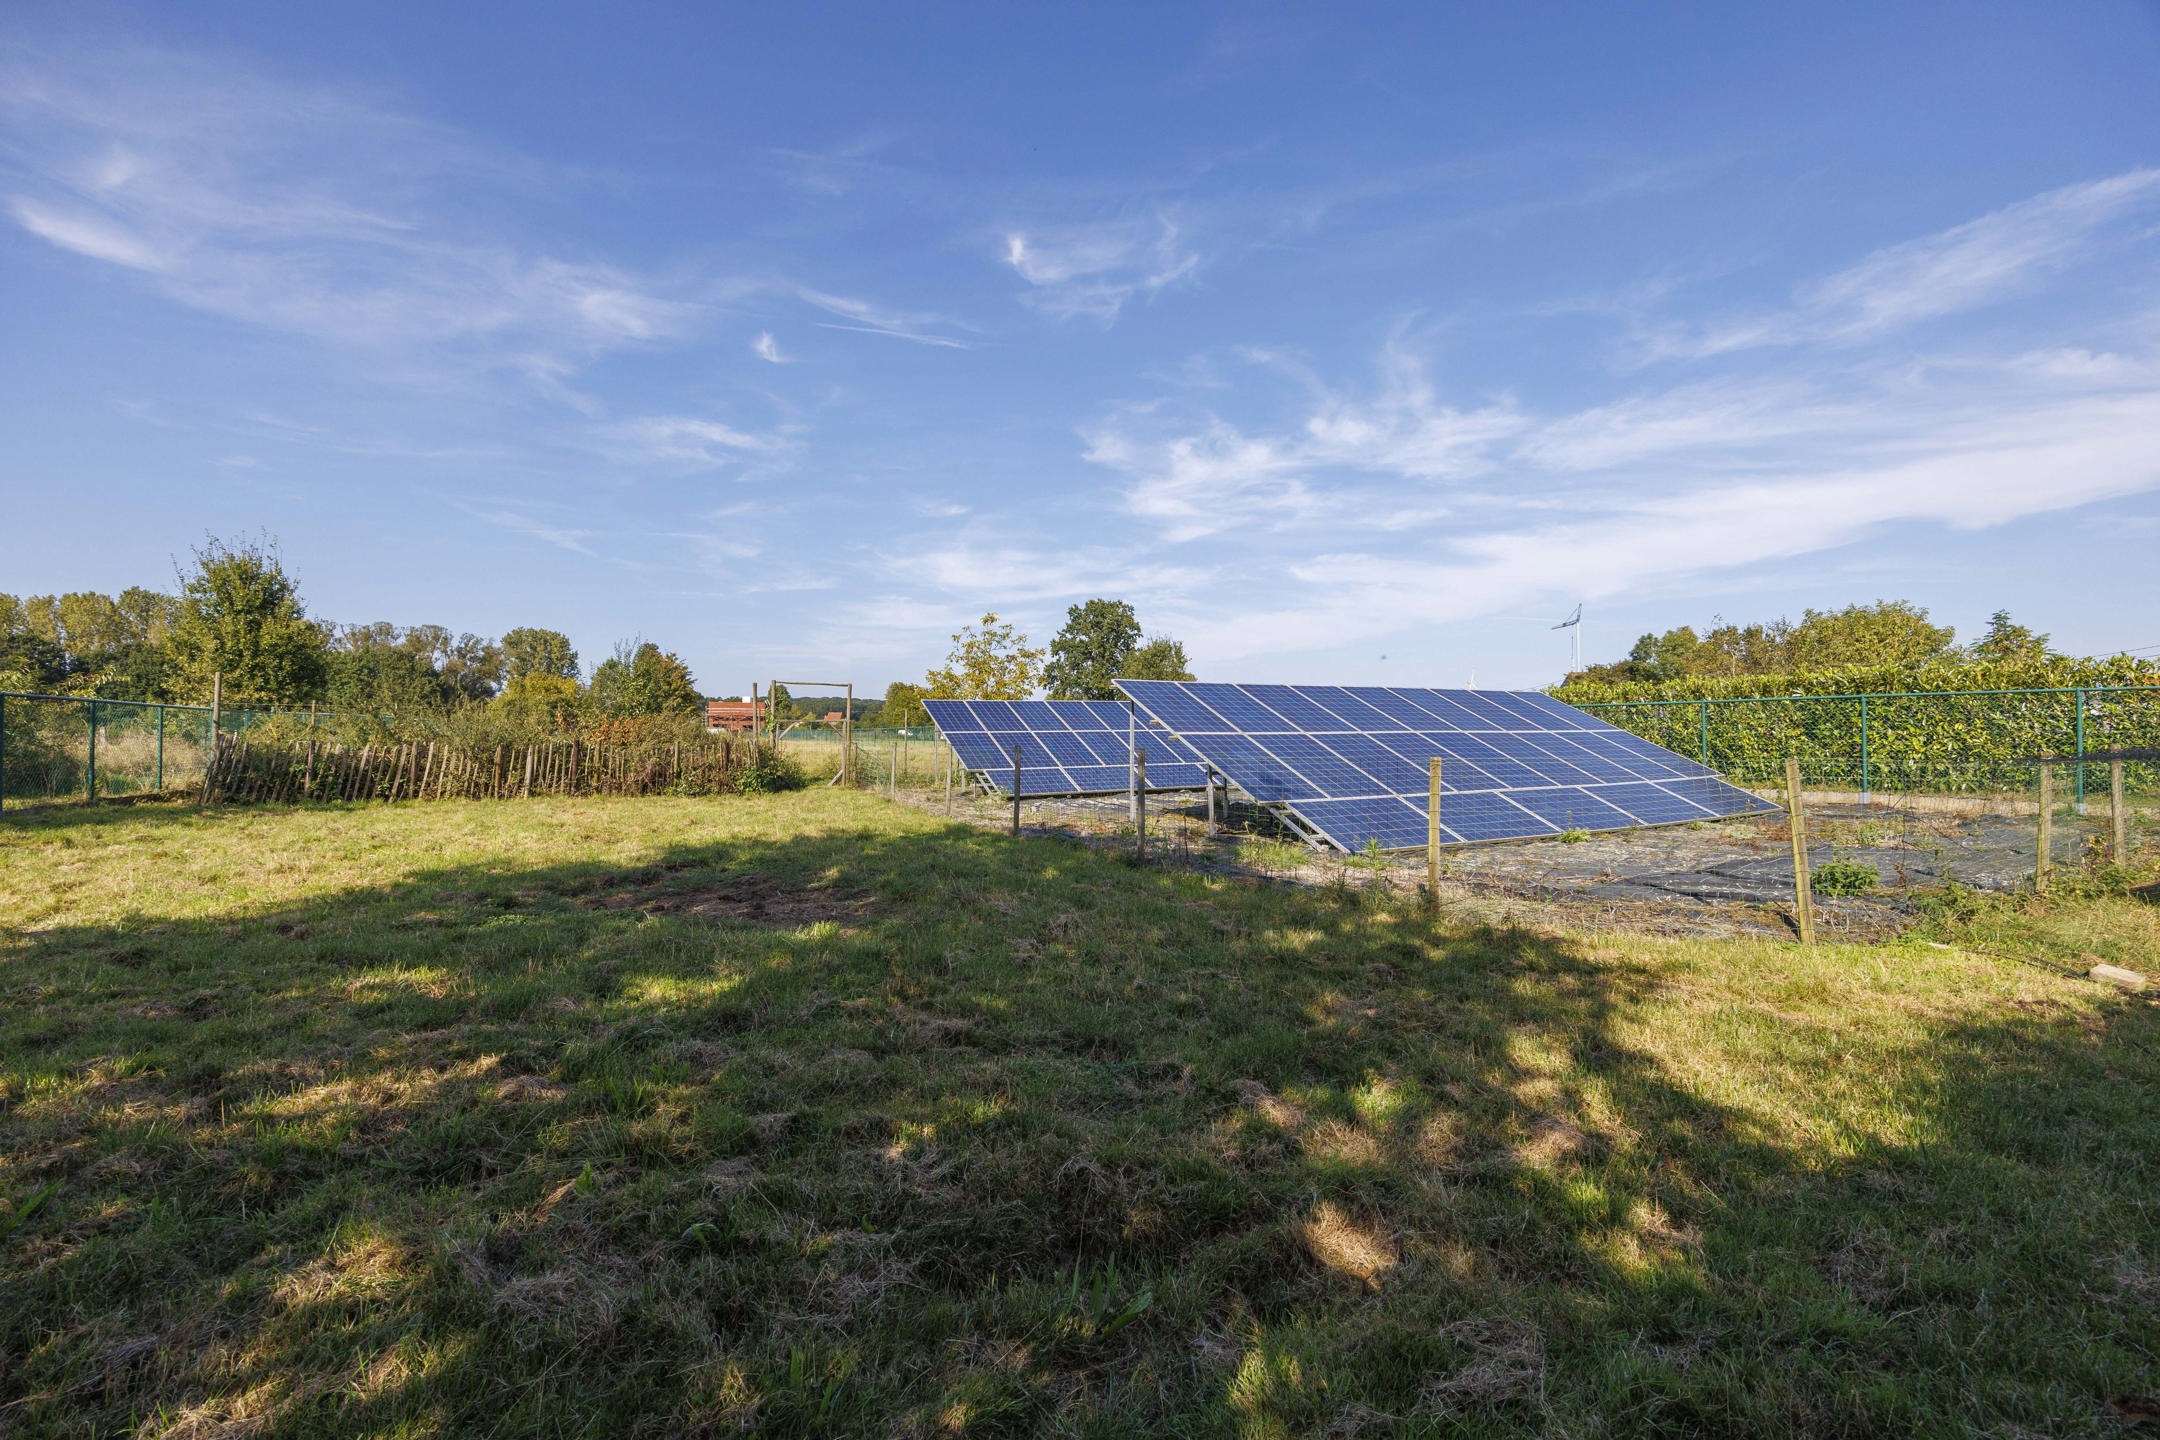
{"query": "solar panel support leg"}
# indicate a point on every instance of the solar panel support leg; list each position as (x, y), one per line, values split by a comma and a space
(1432, 834)
(1213, 826)
(1132, 757)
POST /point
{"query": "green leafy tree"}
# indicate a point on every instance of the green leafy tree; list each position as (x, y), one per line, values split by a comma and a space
(1160, 658)
(471, 668)
(1888, 632)
(1092, 650)
(87, 643)
(643, 679)
(903, 706)
(371, 679)
(240, 616)
(540, 700)
(2008, 640)
(1894, 633)
(990, 661)
(33, 663)
(529, 651)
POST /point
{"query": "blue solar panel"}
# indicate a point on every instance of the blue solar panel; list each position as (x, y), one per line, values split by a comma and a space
(1351, 762)
(1067, 747)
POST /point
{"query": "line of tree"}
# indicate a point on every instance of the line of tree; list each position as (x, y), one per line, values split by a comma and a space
(1887, 634)
(239, 615)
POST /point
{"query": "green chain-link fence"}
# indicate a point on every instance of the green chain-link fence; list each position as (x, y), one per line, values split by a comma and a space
(1961, 742)
(61, 747)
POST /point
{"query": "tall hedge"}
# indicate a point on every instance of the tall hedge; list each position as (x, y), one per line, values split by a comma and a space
(1927, 729)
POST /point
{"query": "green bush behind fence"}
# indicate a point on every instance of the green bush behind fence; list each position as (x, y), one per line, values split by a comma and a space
(1961, 742)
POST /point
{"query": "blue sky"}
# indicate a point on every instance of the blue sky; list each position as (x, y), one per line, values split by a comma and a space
(1349, 344)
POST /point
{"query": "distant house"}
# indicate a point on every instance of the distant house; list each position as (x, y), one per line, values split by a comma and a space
(734, 714)
(834, 717)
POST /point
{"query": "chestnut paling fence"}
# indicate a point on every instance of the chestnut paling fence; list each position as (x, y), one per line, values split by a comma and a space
(244, 768)
(62, 748)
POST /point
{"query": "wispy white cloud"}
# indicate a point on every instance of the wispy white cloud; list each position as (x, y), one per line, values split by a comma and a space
(689, 440)
(85, 233)
(1217, 477)
(1970, 474)
(1092, 270)
(1514, 507)
(841, 168)
(1969, 265)
(561, 537)
(870, 318)
(311, 210)
(767, 349)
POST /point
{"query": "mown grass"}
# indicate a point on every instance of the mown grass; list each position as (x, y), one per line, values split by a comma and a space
(810, 1114)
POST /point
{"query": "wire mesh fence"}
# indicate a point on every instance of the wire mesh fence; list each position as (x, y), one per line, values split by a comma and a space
(1980, 744)
(60, 747)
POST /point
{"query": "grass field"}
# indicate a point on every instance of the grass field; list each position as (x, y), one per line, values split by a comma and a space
(812, 1114)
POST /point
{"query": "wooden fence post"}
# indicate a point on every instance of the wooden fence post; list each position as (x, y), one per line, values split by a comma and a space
(1432, 833)
(2042, 859)
(1803, 880)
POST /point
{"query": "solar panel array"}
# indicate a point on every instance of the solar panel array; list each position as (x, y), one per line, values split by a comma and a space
(1067, 747)
(1350, 762)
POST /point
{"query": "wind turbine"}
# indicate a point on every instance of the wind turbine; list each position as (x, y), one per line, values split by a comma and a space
(1573, 623)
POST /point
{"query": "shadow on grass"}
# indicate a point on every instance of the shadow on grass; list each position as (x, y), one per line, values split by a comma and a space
(934, 1132)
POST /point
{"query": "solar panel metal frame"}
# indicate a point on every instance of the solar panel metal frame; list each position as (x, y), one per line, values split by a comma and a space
(1068, 747)
(1336, 762)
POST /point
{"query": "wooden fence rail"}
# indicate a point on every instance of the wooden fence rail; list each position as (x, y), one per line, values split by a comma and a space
(244, 770)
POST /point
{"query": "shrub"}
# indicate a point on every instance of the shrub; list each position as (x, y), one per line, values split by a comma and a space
(1845, 877)
(768, 773)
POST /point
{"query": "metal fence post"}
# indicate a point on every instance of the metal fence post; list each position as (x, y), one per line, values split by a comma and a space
(1863, 750)
(90, 765)
(1705, 756)
(2080, 732)
(3, 752)
(1016, 790)
(160, 784)
(2121, 851)
(2042, 859)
